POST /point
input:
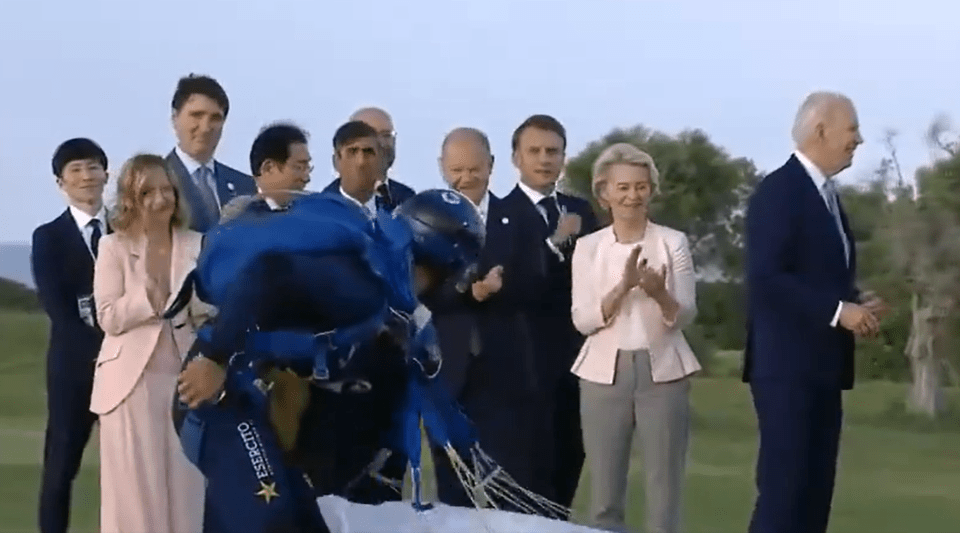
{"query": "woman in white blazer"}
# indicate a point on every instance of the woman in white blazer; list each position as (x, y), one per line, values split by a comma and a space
(634, 290)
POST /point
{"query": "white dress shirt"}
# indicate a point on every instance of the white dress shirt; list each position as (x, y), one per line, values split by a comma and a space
(370, 207)
(632, 336)
(536, 197)
(192, 165)
(83, 220)
(818, 180)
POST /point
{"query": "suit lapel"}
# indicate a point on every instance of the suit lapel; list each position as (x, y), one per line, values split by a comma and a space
(226, 188)
(72, 235)
(823, 215)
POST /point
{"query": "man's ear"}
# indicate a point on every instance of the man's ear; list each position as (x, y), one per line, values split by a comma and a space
(492, 159)
(515, 157)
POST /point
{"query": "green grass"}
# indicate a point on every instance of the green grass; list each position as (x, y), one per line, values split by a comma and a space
(896, 474)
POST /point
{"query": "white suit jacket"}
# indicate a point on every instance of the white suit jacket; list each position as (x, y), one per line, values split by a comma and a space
(670, 356)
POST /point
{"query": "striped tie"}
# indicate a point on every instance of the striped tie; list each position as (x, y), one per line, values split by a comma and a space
(833, 205)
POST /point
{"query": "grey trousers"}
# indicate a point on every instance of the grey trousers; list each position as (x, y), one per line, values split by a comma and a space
(660, 412)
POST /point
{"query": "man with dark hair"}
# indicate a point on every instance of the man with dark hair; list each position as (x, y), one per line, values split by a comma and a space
(62, 259)
(356, 158)
(536, 282)
(388, 192)
(199, 110)
(280, 162)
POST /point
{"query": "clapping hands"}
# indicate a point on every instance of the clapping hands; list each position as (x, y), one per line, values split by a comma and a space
(636, 273)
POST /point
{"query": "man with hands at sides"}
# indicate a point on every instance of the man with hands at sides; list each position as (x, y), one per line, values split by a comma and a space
(804, 311)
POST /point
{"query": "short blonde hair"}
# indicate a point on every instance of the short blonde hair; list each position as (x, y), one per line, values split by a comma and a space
(622, 154)
(128, 208)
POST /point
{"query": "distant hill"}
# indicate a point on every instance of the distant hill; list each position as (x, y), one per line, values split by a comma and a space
(15, 263)
(15, 296)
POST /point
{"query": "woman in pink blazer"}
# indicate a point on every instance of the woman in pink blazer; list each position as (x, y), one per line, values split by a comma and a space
(146, 482)
(633, 292)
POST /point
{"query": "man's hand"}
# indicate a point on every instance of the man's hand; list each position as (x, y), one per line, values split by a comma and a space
(490, 284)
(873, 303)
(568, 226)
(859, 320)
(200, 381)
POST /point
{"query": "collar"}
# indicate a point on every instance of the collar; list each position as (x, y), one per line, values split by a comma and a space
(271, 203)
(82, 218)
(536, 196)
(192, 164)
(815, 173)
(371, 203)
(484, 205)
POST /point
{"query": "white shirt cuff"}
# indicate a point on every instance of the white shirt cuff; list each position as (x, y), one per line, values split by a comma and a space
(836, 316)
(555, 249)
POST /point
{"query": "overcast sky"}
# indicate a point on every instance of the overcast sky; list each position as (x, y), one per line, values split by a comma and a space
(738, 69)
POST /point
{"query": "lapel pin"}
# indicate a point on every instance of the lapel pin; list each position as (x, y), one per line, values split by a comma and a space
(230, 186)
(504, 220)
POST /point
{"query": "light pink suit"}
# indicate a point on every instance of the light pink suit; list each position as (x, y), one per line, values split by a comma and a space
(146, 482)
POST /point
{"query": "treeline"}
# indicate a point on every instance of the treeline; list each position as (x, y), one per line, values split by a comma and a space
(16, 296)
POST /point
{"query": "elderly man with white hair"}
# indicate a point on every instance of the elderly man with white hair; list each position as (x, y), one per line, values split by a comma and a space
(804, 310)
(634, 290)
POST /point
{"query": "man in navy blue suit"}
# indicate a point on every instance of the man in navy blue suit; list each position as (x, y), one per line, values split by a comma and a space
(804, 311)
(199, 110)
(487, 349)
(62, 259)
(388, 193)
(544, 225)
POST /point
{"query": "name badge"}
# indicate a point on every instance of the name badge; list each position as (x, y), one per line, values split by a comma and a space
(87, 309)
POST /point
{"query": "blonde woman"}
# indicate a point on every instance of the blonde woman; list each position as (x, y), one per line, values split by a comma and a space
(633, 292)
(146, 482)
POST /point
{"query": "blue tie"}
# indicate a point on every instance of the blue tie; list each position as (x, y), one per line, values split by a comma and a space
(211, 209)
(833, 205)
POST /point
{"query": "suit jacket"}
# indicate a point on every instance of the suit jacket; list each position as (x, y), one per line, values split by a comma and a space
(131, 325)
(670, 356)
(398, 192)
(505, 361)
(536, 282)
(62, 268)
(230, 184)
(796, 276)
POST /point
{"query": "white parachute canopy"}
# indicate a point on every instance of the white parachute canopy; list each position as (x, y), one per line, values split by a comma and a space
(343, 516)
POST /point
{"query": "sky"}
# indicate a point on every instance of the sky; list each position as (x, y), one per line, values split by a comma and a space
(737, 69)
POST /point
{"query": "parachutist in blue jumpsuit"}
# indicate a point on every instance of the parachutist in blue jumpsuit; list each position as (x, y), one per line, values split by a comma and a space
(339, 283)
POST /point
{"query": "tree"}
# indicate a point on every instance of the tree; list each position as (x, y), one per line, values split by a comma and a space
(922, 227)
(703, 192)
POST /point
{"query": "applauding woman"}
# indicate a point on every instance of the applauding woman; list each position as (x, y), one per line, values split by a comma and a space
(147, 484)
(633, 292)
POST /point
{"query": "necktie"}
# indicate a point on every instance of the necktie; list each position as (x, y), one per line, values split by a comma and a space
(211, 210)
(95, 235)
(549, 205)
(833, 205)
(382, 197)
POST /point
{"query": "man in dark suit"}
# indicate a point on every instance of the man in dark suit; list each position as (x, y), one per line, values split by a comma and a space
(487, 350)
(199, 110)
(536, 281)
(804, 310)
(358, 160)
(62, 258)
(388, 192)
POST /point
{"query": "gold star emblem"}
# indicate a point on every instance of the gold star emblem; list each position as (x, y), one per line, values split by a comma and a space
(268, 491)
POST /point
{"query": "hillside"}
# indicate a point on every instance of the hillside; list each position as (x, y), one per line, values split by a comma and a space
(15, 296)
(15, 262)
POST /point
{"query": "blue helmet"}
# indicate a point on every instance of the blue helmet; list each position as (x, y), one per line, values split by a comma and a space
(448, 233)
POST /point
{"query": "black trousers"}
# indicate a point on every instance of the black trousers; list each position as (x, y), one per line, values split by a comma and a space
(69, 423)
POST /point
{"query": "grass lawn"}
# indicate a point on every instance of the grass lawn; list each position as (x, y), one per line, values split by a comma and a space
(896, 475)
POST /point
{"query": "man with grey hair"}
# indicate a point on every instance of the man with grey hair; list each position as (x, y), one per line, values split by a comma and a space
(804, 311)
(389, 193)
(487, 346)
